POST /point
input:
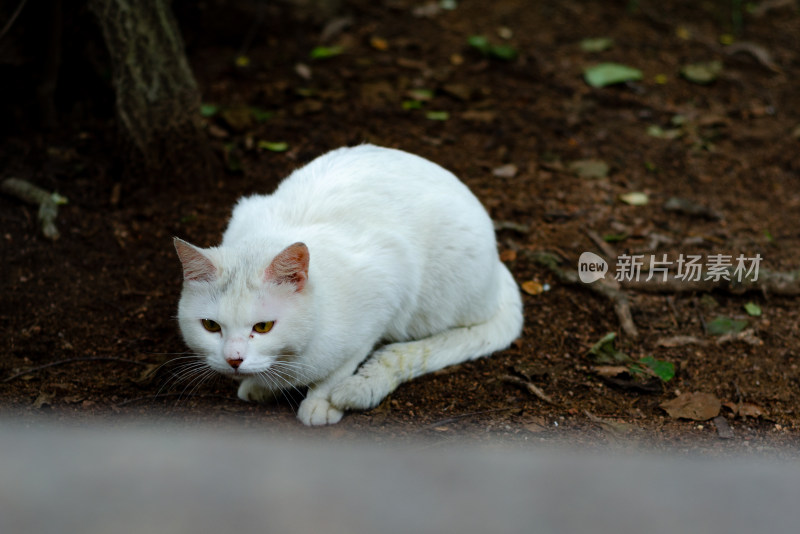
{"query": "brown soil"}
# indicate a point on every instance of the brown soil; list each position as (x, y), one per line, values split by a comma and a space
(108, 288)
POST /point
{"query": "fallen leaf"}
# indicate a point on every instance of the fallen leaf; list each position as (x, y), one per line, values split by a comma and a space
(437, 115)
(611, 370)
(303, 70)
(748, 409)
(279, 146)
(324, 52)
(752, 309)
(696, 406)
(479, 115)
(605, 352)
(690, 207)
(724, 325)
(508, 255)
(508, 170)
(635, 198)
(609, 74)
(239, 118)
(44, 399)
(208, 110)
(702, 73)
(532, 287)
(589, 168)
(597, 44)
(679, 341)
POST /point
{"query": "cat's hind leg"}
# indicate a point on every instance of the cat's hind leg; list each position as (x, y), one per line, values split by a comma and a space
(393, 364)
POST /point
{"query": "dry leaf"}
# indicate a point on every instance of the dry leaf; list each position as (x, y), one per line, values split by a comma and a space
(508, 255)
(679, 341)
(532, 287)
(611, 370)
(696, 406)
(505, 171)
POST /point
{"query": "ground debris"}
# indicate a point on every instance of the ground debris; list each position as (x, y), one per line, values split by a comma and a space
(696, 406)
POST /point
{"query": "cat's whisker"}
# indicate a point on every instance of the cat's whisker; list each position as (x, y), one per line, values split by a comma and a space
(196, 382)
(275, 384)
(184, 371)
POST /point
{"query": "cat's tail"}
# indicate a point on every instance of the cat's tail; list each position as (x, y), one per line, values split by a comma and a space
(399, 362)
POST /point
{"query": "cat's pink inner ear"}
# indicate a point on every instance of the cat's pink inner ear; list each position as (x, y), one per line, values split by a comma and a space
(290, 266)
(196, 265)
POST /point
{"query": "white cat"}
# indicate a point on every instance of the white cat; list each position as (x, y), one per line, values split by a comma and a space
(362, 246)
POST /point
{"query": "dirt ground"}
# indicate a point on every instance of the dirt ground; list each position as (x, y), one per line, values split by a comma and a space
(91, 316)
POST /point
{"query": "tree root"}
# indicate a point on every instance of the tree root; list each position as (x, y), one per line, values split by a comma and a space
(48, 203)
(609, 289)
(768, 282)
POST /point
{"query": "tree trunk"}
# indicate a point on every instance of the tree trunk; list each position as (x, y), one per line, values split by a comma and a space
(157, 98)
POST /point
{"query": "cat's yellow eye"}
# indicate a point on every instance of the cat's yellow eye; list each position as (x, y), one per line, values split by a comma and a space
(263, 328)
(211, 326)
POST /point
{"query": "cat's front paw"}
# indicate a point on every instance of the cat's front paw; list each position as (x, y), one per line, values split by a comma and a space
(315, 411)
(251, 391)
(360, 392)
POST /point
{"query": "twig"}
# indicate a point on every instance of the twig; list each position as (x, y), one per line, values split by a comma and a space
(530, 387)
(601, 243)
(13, 18)
(768, 282)
(73, 360)
(608, 288)
(48, 203)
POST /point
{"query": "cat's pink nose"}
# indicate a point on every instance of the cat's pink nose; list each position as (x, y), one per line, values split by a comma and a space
(234, 363)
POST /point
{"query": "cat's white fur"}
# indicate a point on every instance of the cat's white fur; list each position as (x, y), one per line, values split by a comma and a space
(397, 252)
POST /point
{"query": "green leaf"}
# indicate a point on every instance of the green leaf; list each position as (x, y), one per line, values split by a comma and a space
(605, 352)
(479, 42)
(482, 44)
(279, 146)
(437, 115)
(610, 73)
(59, 200)
(208, 110)
(725, 325)
(504, 52)
(422, 95)
(662, 369)
(412, 104)
(597, 44)
(614, 238)
(702, 73)
(752, 309)
(324, 52)
(261, 115)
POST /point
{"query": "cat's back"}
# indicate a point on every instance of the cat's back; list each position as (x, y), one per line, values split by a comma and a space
(363, 185)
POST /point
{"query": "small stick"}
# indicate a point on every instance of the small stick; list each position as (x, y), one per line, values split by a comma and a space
(601, 243)
(73, 360)
(530, 387)
(608, 288)
(48, 203)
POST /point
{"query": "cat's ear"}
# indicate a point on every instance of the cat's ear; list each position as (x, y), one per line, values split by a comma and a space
(290, 266)
(196, 265)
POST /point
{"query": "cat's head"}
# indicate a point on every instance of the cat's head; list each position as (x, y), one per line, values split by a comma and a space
(245, 313)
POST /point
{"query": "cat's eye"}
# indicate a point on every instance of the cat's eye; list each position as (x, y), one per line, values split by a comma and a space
(263, 328)
(211, 326)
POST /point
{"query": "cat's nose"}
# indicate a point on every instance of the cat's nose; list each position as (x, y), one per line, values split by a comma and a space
(235, 363)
